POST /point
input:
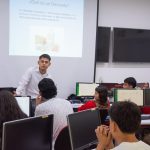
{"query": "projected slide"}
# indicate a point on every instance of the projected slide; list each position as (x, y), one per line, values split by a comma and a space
(46, 26)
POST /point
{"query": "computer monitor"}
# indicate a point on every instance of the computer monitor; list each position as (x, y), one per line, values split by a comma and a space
(28, 134)
(146, 97)
(82, 127)
(134, 95)
(24, 103)
(103, 115)
(10, 89)
(85, 89)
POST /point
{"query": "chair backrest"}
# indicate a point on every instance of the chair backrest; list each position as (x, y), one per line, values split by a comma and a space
(63, 140)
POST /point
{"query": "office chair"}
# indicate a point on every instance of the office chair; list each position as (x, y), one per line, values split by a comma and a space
(63, 140)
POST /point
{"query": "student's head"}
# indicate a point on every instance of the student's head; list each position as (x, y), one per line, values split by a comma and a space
(125, 118)
(47, 88)
(129, 83)
(44, 62)
(101, 94)
(9, 108)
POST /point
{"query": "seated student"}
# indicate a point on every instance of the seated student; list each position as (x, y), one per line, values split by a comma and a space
(129, 83)
(48, 103)
(125, 119)
(9, 110)
(100, 99)
(146, 85)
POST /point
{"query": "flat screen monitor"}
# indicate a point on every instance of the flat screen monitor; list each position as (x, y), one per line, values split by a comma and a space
(103, 115)
(28, 134)
(134, 95)
(102, 44)
(24, 103)
(131, 45)
(85, 89)
(82, 127)
(146, 97)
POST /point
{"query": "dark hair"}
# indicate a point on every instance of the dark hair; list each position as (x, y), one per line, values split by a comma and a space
(127, 115)
(103, 93)
(47, 88)
(131, 81)
(9, 109)
(45, 56)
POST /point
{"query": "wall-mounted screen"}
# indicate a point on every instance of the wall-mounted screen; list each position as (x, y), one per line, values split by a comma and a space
(102, 44)
(131, 45)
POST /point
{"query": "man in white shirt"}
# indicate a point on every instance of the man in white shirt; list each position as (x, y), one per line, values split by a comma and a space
(48, 103)
(28, 86)
(125, 120)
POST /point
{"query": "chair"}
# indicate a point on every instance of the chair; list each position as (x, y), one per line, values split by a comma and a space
(63, 140)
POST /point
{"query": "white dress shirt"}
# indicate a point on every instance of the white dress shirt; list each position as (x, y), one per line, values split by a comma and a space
(28, 86)
(132, 146)
(60, 108)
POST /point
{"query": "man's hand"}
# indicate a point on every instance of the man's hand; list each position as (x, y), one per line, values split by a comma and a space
(104, 137)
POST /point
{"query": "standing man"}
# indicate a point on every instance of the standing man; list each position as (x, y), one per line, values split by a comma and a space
(28, 86)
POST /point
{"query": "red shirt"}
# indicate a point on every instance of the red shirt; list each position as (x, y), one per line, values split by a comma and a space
(89, 105)
(145, 110)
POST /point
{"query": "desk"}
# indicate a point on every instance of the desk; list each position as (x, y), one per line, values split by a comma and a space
(145, 122)
(145, 119)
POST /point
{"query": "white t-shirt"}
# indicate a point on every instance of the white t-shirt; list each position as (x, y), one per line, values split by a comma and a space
(28, 86)
(132, 146)
(60, 108)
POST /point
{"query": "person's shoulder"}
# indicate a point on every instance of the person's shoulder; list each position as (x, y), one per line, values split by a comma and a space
(134, 145)
(30, 69)
(62, 100)
(142, 144)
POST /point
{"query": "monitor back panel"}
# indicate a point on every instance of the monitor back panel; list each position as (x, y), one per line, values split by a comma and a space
(28, 134)
(146, 97)
(86, 89)
(82, 127)
(134, 95)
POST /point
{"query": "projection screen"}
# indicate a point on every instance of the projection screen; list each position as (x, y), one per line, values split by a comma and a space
(65, 29)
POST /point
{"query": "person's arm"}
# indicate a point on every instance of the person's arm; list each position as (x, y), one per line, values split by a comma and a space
(21, 89)
(104, 138)
(87, 105)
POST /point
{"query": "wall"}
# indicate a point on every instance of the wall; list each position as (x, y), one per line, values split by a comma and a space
(130, 14)
(65, 71)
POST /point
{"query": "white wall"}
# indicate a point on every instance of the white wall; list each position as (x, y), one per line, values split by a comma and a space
(130, 14)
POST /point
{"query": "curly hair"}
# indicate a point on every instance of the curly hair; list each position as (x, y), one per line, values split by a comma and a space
(9, 109)
(47, 88)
